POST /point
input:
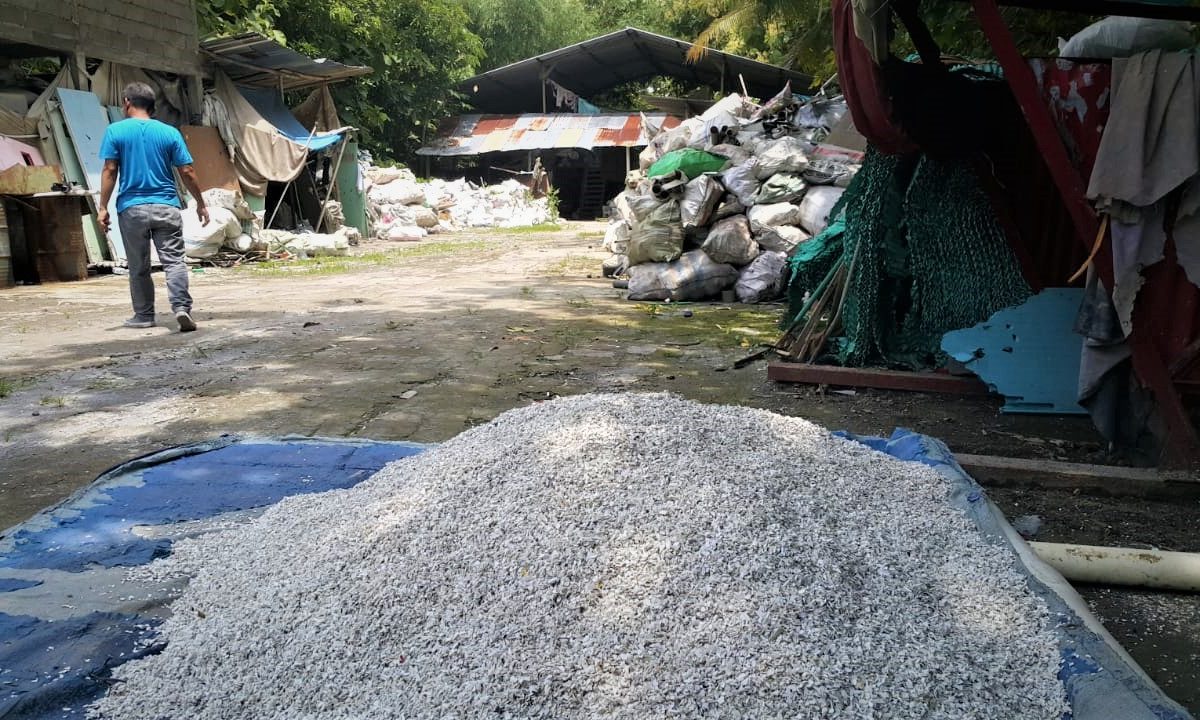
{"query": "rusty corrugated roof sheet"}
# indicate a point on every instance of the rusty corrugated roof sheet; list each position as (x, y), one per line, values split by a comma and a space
(478, 134)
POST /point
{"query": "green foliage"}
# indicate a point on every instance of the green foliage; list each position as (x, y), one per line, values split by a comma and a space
(513, 30)
(419, 50)
(552, 202)
(229, 17)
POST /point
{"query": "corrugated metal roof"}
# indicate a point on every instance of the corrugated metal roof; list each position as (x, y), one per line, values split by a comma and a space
(624, 56)
(251, 59)
(478, 134)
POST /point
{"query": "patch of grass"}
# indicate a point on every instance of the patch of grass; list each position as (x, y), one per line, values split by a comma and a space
(572, 265)
(579, 302)
(527, 292)
(528, 229)
(8, 386)
(102, 384)
(53, 401)
(379, 258)
(741, 327)
(588, 234)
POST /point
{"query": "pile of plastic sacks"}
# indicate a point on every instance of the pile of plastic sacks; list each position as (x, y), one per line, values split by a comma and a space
(405, 210)
(234, 228)
(720, 201)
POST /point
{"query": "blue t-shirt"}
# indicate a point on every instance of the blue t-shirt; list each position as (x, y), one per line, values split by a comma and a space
(146, 150)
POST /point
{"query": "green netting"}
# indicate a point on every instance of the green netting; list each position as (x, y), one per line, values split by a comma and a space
(926, 255)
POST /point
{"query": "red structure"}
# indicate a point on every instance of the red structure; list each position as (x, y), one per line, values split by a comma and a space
(1051, 225)
(1166, 323)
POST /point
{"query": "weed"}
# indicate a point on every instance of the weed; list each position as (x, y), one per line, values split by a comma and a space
(571, 265)
(579, 302)
(7, 387)
(53, 401)
(338, 265)
(651, 309)
(527, 292)
(102, 384)
(528, 229)
(471, 310)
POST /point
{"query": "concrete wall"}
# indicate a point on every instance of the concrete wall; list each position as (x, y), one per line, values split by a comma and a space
(151, 34)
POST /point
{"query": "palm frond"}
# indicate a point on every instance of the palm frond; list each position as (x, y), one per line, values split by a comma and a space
(720, 27)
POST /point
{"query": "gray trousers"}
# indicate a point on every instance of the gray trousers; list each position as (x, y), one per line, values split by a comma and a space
(163, 225)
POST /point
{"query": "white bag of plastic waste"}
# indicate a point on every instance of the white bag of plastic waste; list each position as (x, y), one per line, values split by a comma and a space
(762, 279)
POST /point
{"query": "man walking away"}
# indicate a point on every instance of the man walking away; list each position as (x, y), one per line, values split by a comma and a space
(142, 151)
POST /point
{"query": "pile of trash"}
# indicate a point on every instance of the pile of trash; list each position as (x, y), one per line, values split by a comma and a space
(722, 200)
(403, 209)
(234, 229)
(232, 225)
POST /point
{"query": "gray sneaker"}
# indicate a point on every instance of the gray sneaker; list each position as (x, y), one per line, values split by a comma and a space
(186, 323)
(137, 322)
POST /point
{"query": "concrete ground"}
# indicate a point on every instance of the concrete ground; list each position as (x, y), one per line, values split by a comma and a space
(421, 341)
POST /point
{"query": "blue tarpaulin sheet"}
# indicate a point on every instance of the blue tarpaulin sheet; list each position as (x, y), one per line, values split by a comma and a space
(67, 617)
(270, 105)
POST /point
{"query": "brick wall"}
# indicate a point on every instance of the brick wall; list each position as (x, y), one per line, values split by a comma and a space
(151, 34)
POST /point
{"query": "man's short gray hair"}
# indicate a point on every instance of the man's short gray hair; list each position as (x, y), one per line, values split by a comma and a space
(140, 95)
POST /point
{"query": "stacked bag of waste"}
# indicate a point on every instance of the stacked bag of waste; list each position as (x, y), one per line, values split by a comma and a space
(232, 225)
(720, 201)
(406, 210)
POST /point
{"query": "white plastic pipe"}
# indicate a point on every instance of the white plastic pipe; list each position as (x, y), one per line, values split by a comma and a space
(1123, 566)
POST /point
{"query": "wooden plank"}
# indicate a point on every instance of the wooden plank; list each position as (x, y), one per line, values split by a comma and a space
(213, 167)
(86, 121)
(806, 374)
(1107, 479)
(28, 179)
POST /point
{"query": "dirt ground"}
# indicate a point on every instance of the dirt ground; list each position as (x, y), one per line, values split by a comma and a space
(420, 341)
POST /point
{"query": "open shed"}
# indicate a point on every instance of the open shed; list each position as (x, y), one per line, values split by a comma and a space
(538, 109)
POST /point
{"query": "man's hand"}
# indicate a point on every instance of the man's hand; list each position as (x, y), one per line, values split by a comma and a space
(202, 213)
(105, 220)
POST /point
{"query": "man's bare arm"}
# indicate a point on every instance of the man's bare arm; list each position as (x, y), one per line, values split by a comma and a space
(188, 173)
(108, 183)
